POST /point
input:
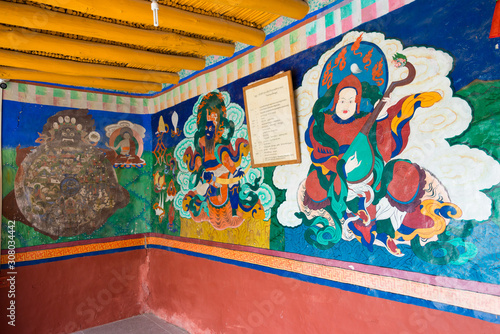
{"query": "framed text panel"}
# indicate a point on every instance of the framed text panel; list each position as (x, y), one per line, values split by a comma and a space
(271, 120)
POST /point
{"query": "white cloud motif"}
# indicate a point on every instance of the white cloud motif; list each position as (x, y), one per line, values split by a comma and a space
(462, 170)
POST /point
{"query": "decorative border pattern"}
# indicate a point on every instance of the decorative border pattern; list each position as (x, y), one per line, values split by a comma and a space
(61, 97)
(72, 250)
(299, 36)
(470, 300)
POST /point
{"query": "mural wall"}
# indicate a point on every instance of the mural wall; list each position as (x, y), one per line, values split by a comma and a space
(377, 174)
(74, 174)
(397, 194)
(400, 166)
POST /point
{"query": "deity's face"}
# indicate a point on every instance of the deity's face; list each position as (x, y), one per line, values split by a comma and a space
(210, 130)
(346, 105)
(126, 135)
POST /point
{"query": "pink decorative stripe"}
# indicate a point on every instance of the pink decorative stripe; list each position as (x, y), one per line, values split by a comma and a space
(311, 41)
(347, 24)
(330, 32)
(369, 13)
(395, 4)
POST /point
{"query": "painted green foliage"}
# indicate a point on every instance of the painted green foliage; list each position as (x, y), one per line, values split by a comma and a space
(277, 232)
(136, 214)
(483, 131)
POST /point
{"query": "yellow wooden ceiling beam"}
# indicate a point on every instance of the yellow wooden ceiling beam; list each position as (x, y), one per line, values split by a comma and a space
(68, 67)
(25, 40)
(102, 83)
(139, 11)
(38, 18)
(295, 9)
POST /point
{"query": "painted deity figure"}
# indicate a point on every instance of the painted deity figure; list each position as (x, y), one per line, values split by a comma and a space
(356, 186)
(216, 168)
(126, 146)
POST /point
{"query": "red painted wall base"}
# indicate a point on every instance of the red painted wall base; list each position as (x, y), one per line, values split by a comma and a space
(70, 295)
(205, 296)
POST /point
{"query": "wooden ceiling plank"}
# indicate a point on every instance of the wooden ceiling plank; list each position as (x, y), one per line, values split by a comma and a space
(295, 9)
(139, 11)
(12, 73)
(68, 67)
(257, 16)
(25, 40)
(38, 18)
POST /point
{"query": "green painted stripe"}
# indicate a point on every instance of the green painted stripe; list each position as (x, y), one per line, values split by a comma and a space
(39, 90)
(263, 52)
(346, 11)
(278, 44)
(251, 57)
(311, 28)
(59, 93)
(240, 62)
(22, 88)
(294, 36)
(329, 19)
(91, 97)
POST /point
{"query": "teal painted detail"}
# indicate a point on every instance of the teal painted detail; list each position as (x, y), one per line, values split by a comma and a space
(329, 19)
(346, 11)
(311, 28)
(366, 3)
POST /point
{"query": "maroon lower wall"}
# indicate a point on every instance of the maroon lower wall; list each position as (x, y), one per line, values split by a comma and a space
(205, 296)
(66, 296)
